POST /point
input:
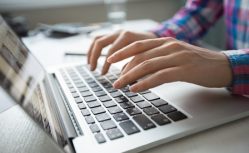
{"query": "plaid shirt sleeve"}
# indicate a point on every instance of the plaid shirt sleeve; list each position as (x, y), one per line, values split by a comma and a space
(239, 61)
(192, 21)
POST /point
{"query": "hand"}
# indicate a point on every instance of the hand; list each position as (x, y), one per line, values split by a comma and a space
(164, 60)
(118, 40)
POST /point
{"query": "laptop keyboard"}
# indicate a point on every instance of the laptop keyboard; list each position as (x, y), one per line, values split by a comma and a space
(110, 112)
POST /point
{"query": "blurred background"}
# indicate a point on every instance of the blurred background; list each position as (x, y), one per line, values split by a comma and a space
(92, 11)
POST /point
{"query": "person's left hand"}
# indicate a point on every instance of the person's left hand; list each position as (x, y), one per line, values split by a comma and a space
(164, 60)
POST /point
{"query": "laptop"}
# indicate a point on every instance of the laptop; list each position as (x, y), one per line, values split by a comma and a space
(81, 110)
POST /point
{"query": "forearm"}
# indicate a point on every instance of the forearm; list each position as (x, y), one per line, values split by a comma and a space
(239, 62)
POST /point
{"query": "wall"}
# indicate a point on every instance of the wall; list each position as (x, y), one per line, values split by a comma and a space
(157, 10)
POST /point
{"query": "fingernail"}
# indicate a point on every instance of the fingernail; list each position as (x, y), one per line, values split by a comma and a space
(116, 84)
(133, 88)
(92, 68)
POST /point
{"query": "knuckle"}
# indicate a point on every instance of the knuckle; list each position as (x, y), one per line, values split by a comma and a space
(169, 39)
(147, 65)
(137, 60)
(138, 44)
(99, 43)
(126, 33)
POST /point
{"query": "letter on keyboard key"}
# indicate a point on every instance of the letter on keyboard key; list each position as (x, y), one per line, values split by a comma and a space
(114, 134)
(129, 127)
(144, 122)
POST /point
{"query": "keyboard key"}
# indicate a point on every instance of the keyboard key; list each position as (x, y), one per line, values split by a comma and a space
(102, 117)
(125, 89)
(129, 127)
(133, 111)
(96, 89)
(137, 99)
(81, 106)
(143, 104)
(109, 124)
(114, 134)
(110, 103)
(98, 110)
(116, 94)
(160, 119)
(121, 99)
(93, 104)
(100, 138)
(114, 110)
(111, 89)
(90, 99)
(92, 85)
(72, 90)
(85, 112)
(144, 92)
(86, 94)
(151, 111)
(89, 119)
(104, 98)
(75, 95)
(130, 94)
(120, 117)
(78, 100)
(83, 89)
(79, 85)
(126, 105)
(150, 96)
(94, 128)
(144, 122)
(100, 93)
(167, 109)
(159, 102)
(177, 116)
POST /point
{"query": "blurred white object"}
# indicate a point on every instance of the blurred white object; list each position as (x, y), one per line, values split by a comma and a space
(116, 11)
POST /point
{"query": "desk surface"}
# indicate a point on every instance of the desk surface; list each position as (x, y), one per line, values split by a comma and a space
(229, 138)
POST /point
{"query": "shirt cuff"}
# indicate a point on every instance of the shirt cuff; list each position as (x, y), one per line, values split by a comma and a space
(239, 62)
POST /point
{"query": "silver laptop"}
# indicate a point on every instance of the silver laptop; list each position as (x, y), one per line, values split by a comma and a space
(80, 110)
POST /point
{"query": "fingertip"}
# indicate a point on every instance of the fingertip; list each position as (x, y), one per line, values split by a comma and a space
(134, 88)
(110, 59)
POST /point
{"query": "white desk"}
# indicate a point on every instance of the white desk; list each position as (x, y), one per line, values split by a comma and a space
(229, 138)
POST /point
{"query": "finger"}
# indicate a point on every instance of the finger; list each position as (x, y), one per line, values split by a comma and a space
(164, 50)
(119, 43)
(124, 67)
(164, 76)
(98, 46)
(146, 68)
(137, 47)
(91, 48)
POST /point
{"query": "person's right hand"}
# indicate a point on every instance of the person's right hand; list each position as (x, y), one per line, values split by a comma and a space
(118, 40)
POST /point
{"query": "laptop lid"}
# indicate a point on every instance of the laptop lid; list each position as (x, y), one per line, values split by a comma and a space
(22, 78)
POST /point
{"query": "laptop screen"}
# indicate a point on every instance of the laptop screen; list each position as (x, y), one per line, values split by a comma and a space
(21, 76)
